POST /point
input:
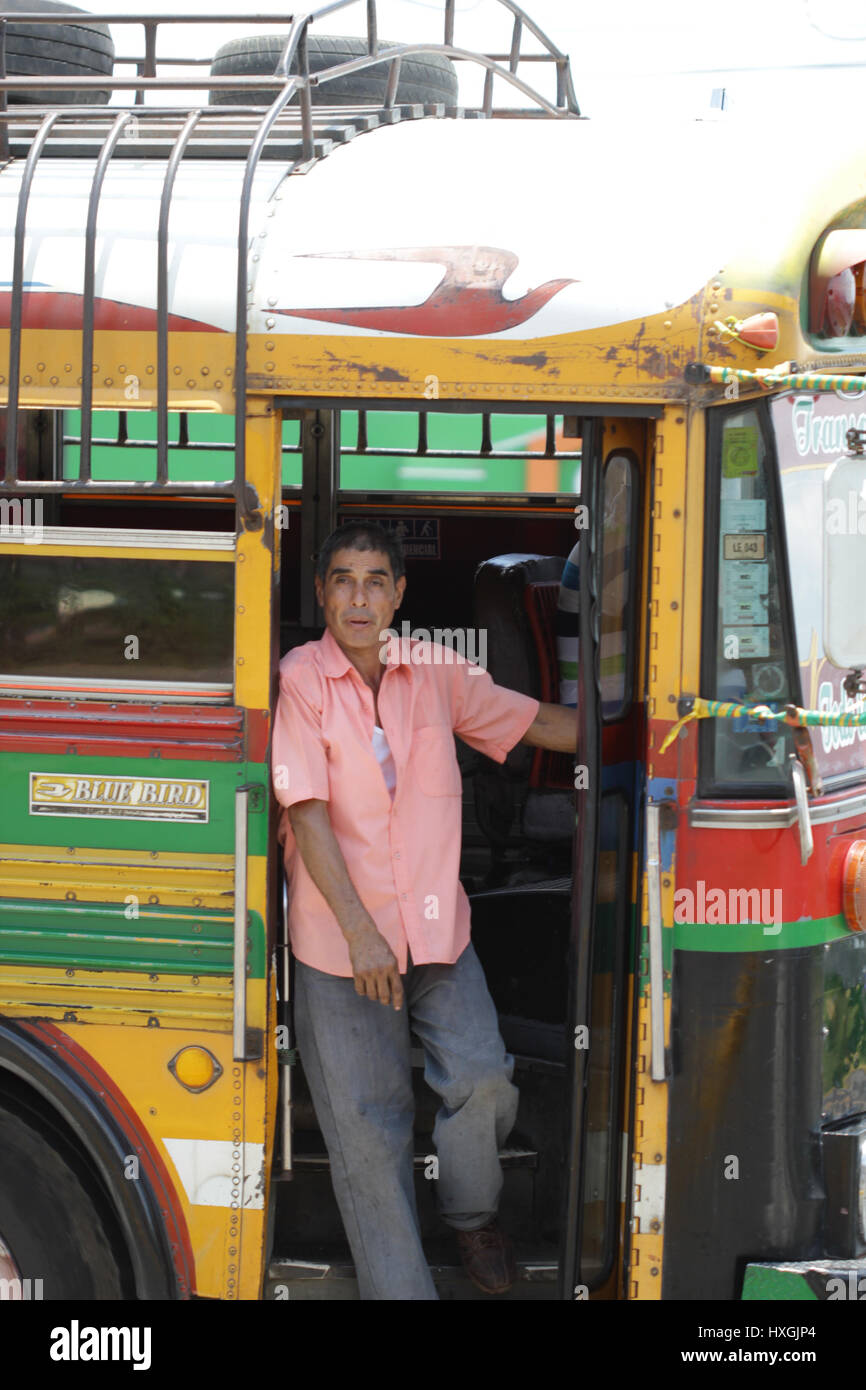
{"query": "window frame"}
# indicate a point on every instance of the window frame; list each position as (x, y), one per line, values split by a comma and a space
(631, 622)
(709, 787)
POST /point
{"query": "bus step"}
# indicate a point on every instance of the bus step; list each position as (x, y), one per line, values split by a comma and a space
(324, 1276)
(318, 1161)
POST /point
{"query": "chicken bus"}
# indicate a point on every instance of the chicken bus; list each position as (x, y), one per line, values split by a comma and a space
(297, 281)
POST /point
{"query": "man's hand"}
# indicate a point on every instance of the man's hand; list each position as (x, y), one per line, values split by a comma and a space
(554, 727)
(374, 964)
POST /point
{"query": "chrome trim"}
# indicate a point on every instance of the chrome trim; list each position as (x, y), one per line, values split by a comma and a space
(97, 537)
(285, 1073)
(704, 817)
(804, 823)
(149, 692)
(656, 958)
(239, 953)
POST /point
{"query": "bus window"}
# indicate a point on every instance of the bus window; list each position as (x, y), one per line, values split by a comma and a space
(114, 618)
(810, 434)
(447, 451)
(200, 446)
(745, 656)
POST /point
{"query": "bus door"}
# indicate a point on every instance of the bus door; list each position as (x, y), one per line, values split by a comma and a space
(609, 779)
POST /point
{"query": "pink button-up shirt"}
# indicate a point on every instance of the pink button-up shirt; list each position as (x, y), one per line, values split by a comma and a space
(403, 856)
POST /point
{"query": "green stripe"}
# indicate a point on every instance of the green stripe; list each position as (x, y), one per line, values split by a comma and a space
(766, 1282)
(752, 936)
(173, 940)
(19, 827)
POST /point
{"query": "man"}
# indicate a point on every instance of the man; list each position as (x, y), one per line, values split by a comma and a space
(364, 762)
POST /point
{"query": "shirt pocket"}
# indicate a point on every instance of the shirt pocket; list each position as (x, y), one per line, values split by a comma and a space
(434, 761)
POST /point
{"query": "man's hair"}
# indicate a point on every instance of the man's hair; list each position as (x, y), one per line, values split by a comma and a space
(361, 535)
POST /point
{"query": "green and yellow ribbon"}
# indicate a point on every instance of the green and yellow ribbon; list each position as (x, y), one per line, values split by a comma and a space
(772, 380)
(791, 715)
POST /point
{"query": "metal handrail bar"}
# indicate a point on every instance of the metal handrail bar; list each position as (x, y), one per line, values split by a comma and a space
(299, 26)
(180, 145)
(88, 309)
(147, 78)
(242, 508)
(16, 316)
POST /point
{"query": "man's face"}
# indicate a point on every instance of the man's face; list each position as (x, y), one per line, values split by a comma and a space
(360, 597)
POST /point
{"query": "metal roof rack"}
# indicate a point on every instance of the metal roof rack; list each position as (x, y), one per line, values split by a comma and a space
(300, 136)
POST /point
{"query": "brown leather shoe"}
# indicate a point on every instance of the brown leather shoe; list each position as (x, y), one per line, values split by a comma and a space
(488, 1258)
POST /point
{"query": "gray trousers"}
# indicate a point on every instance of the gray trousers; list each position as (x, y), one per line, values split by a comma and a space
(356, 1057)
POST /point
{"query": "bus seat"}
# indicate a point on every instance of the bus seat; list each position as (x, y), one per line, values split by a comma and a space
(531, 794)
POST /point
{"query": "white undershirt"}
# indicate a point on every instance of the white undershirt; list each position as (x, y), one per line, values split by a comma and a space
(382, 750)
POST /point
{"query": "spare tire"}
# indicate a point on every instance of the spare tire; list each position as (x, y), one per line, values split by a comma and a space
(80, 48)
(425, 78)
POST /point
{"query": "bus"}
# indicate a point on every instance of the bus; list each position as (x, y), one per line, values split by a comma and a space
(251, 296)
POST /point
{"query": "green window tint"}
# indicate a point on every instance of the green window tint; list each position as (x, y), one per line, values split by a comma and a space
(201, 447)
(385, 451)
(90, 616)
(291, 472)
(746, 661)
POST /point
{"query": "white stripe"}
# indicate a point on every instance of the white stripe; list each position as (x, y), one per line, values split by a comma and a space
(214, 1172)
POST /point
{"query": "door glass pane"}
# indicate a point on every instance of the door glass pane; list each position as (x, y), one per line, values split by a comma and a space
(616, 583)
(810, 435)
(750, 665)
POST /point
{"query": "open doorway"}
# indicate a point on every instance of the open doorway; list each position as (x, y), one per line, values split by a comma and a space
(485, 561)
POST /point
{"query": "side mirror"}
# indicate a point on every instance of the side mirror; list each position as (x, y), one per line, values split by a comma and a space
(845, 562)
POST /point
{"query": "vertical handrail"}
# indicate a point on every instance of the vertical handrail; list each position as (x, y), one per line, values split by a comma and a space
(516, 34)
(16, 315)
(242, 291)
(89, 306)
(449, 23)
(486, 433)
(393, 83)
(656, 954)
(372, 29)
(148, 67)
(4, 133)
(239, 950)
(308, 142)
(487, 99)
(177, 153)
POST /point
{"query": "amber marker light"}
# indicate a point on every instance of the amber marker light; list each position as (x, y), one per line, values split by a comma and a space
(195, 1068)
(854, 886)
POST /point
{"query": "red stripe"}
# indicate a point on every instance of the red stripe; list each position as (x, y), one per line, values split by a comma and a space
(51, 726)
(115, 1102)
(126, 748)
(52, 310)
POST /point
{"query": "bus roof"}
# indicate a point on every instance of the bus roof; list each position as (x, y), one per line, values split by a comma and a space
(554, 259)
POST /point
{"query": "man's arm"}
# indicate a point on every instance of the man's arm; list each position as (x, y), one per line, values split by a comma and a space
(373, 962)
(554, 727)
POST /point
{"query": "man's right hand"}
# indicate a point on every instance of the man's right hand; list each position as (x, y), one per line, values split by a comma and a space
(374, 965)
